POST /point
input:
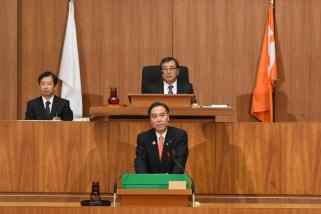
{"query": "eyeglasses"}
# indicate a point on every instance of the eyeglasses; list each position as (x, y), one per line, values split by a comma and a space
(168, 69)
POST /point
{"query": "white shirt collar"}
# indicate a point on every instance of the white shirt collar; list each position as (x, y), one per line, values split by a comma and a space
(158, 135)
(44, 100)
(174, 87)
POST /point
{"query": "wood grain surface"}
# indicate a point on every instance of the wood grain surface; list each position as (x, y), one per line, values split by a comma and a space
(224, 158)
(220, 41)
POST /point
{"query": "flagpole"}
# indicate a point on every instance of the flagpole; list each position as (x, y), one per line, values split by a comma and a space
(274, 81)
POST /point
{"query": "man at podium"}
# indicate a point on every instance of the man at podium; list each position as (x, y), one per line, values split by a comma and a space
(162, 149)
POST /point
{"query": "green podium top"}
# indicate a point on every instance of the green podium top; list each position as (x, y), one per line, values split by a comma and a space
(152, 181)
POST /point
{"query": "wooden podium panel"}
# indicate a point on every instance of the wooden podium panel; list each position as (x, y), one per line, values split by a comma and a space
(209, 114)
(53, 156)
(147, 197)
(172, 100)
(43, 157)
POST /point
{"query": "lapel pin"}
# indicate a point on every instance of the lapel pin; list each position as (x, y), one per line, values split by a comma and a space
(154, 143)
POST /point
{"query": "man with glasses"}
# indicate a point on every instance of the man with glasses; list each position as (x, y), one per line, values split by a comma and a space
(170, 84)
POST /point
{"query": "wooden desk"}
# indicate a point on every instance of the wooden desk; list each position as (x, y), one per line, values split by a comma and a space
(210, 114)
(149, 197)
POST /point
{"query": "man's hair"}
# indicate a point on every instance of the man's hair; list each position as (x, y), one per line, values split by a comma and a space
(168, 59)
(47, 74)
(155, 104)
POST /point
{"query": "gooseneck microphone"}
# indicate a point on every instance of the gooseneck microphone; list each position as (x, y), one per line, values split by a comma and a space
(173, 155)
(117, 179)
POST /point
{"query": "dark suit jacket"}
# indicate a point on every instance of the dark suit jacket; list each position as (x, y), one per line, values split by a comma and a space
(175, 146)
(182, 88)
(60, 108)
(158, 88)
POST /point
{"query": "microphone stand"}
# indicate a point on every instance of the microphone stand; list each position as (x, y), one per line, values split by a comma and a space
(190, 177)
(115, 183)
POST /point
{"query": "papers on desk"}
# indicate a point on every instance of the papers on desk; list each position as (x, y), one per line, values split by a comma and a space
(82, 119)
(214, 106)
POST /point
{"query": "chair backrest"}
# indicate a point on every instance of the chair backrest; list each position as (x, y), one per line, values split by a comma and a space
(152, 74)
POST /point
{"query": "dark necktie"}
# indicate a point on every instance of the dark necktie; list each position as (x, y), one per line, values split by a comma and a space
(47, 110)
(170, 89)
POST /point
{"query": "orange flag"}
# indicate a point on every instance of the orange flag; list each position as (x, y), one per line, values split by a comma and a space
(262, 102)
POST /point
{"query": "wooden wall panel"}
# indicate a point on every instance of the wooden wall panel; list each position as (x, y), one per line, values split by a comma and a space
(299, 43)
(53, 157)
(222, 209)
(41, 36)
(202, 154)
(115, 40)
(224, 158)
(245, 156)
(220, 42)
(302, 160)
(122, 150)
(8, 59)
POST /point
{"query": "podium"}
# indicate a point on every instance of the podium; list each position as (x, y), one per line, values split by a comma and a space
(152, 190)
(180, 108)
(172, 100)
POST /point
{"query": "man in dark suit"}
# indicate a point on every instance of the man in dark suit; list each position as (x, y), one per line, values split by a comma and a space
(162, 149)
(170, 84)
(48, 106)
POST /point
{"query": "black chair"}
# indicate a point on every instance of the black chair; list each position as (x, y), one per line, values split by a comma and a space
(152, 74)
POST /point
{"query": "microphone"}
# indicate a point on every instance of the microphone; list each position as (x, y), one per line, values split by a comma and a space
(172, 155)
(117, 179)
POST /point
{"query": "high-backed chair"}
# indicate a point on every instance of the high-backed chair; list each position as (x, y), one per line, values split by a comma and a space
(152, 74)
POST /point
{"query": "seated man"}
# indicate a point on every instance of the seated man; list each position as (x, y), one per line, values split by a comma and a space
(162, 149)
(170, 84)
(48, 106)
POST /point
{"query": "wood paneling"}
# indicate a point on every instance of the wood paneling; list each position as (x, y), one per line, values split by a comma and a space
(41, 36)
(248, 159)
(298, 44)
(123, 147)
(53, 157)
(220, 41)
(216, 209)
(202, 154)
(301, 147)
(224, 158)
(8, 59)
(115, 39)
